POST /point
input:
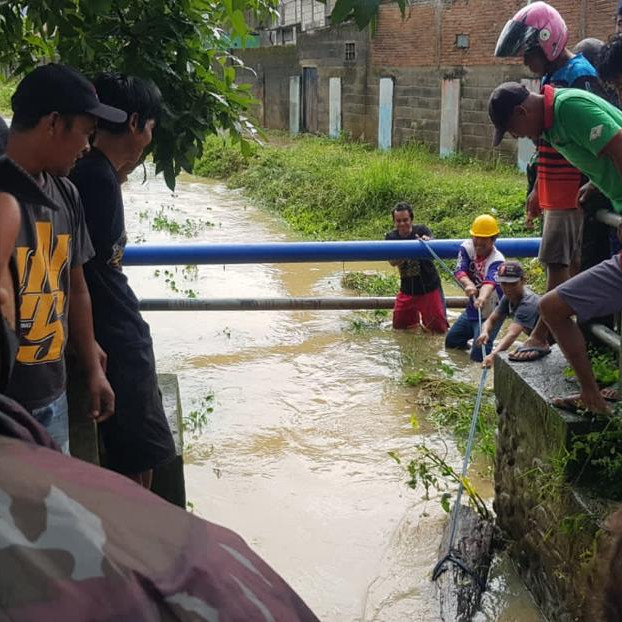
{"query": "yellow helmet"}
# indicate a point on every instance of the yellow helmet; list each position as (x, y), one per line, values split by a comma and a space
(484, 226)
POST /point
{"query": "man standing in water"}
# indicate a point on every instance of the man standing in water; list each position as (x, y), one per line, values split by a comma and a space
(420, 299)
(137, 439)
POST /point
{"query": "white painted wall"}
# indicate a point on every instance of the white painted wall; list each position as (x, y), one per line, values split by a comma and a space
(334, 107)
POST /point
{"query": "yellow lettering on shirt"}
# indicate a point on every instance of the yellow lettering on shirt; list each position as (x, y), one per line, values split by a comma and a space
(42, 301)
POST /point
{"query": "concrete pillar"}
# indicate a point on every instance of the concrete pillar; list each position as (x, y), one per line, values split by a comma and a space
(294, 104)
(450, 116)
(385, 114)
(168, 479)
(334, 107)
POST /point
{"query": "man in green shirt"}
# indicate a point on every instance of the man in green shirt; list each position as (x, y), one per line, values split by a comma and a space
(587, 131)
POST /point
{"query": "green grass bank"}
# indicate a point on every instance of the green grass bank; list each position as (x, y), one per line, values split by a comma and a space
(327, 189)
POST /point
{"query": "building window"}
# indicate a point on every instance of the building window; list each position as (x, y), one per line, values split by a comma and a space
(462, 42)
(350, 51)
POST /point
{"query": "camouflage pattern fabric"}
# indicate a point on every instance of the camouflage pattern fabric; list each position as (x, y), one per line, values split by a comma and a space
(79, 543)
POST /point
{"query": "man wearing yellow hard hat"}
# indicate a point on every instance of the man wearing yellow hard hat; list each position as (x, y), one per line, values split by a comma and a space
(476, 270)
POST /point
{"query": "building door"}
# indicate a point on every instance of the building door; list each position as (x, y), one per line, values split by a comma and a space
(309, 99)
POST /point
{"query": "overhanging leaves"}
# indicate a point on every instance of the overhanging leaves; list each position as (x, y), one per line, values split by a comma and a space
(179, 44)
(363, 12)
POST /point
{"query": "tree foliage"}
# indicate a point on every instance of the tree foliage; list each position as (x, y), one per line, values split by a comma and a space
(182, 45)
(363, 12)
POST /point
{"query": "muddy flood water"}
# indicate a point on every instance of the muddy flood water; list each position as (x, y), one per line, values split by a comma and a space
(306, 407)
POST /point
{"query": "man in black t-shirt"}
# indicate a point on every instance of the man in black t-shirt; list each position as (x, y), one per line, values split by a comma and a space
(420, 299)
(137, 439)
(54, 112)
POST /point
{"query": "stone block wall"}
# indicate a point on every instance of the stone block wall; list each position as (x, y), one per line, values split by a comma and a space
(551, 524)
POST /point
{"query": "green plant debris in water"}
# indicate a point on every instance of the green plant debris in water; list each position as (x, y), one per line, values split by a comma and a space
(171, 279)
(371, 283)
(189, 228)
(431, 471)
(449, 405)
(361, 321)
(197, 419)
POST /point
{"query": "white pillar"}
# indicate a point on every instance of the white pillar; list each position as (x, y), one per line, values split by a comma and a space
(385, 114)
(450, 116)
(334, 107)
(294, 104)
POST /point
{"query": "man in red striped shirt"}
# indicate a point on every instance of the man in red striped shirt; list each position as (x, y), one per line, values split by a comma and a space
(539, 33)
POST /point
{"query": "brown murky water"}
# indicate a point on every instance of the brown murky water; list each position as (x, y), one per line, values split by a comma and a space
(294, 454)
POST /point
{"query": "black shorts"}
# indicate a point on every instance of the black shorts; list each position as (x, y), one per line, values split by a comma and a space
(137, 437)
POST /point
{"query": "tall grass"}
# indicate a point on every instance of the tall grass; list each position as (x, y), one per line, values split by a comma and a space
(331, 189)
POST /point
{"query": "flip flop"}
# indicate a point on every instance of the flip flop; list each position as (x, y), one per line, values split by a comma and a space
(536, 351)
(573, 404)
(611, 393)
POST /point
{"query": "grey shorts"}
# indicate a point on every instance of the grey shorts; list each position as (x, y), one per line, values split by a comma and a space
(597, 292)
(561, 236)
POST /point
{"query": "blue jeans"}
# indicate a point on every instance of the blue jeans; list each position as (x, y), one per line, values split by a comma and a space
(55, 419)
(464, 329)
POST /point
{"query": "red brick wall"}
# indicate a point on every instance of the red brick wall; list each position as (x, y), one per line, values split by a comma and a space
(424, 40)
(405, 43)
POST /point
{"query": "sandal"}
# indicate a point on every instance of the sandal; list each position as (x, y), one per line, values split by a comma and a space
(534, 354)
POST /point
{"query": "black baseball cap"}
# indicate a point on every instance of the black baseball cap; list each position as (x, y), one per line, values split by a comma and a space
(510, 272)
(62, 89)
(501, 105)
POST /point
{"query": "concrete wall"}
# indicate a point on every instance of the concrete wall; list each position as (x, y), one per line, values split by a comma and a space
(272, 67)
(325, 50)
(551, 521)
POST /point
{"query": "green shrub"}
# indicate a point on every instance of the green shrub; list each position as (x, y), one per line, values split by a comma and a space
(221, 158)
(328, 189)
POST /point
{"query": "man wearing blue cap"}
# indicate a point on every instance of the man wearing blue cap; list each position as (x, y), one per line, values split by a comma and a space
(55, 110)
(518, 302)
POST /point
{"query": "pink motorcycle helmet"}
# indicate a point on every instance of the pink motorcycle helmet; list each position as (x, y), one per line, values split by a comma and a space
(536, 25)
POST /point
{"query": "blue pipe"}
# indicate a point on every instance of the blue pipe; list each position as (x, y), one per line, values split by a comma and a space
(296, 252)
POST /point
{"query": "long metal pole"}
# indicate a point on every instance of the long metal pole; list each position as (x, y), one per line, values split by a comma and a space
(279, 304)
(298, 252)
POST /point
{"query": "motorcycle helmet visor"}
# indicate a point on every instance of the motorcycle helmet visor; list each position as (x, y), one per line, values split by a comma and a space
(515, 38)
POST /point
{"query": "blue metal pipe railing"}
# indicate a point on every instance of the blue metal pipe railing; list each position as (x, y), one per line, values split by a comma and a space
(297, 252)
